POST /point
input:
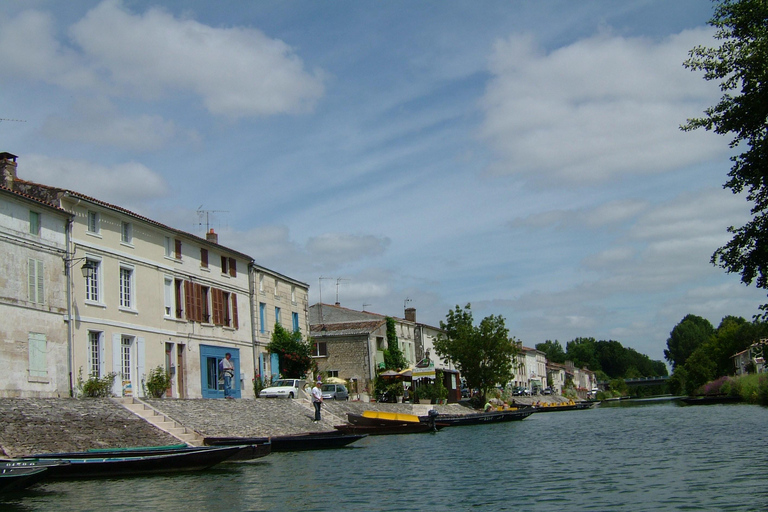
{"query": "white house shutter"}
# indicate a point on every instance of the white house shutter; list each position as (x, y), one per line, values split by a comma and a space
(40, 283)
(102, 356)
(117, 388)
(140, 358)
(31, 280)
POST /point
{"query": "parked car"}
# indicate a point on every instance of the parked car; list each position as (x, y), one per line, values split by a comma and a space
(334, 392)
(283, 388)
(547, 391)
(521, 391)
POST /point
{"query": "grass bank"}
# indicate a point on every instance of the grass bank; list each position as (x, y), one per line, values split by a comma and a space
(751, 388)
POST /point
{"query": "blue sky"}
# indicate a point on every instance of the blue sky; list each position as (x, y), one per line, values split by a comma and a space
(523, 157)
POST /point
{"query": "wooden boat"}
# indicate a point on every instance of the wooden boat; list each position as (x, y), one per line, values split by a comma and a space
(710, 399)
(389, 429)
(16, 478)
(564, 406)
(250, 451)
(293, 443)
(376, 418)
(89, 467)
(480, 418)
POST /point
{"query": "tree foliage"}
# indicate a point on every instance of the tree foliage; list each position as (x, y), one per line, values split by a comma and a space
(740, 64)
(393, 356)
(484, 354)
(612, 360)
(553, 350)
(686, 337)
(293, 353)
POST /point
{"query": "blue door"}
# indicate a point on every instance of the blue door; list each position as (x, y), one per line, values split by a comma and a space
(209, 371)
(274, 365)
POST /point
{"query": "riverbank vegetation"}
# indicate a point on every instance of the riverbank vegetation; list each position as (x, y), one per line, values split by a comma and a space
(752, 388)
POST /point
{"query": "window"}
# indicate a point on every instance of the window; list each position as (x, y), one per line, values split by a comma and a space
(94, 353)
(125, 357)
(36, 281)
(262, 317)
(276, 289)
(126, 233)
(320, 349)
(204, 257)
(332, 373)
(92, 289)
(295, 322)
(34, 223)
(224, 265)
(205, 313)
(293, 294)
(277, 315)
(168, 296)
(126, 287)
(93, 222)
(261, 283)
(178, 249)
(233, 267)
(178, 297)
(168, 247)
(38, 349)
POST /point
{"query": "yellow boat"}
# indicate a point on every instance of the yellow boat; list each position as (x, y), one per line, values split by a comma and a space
(391, 416)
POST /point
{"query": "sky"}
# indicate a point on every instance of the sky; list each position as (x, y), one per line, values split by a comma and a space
(522, 157)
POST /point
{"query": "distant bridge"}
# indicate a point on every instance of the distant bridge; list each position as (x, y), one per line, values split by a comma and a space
(639, 381)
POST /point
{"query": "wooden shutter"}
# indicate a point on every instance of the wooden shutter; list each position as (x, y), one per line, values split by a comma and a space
(217, 306)
(204, 258)
(235, 323)
(198, 288)
(233, 267)
(178, 249)
(189, 301)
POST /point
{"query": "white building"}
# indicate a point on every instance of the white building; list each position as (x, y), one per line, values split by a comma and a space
(33, 293)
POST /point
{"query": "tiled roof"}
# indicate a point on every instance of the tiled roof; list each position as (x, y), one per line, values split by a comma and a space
(35, 200)
(345, 328)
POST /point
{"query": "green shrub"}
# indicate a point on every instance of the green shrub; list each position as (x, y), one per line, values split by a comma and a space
(95, 387)
(157, 382)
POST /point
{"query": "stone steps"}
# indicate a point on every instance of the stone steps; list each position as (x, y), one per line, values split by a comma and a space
(160, 420)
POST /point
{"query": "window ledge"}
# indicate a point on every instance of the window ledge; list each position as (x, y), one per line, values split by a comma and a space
(95, 304)
(96, 235)
(128, 310)
(127, 244)
(41, 380)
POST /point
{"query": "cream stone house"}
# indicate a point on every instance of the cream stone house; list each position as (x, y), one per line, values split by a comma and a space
(277, 299)
(33, 293)
(154, 296)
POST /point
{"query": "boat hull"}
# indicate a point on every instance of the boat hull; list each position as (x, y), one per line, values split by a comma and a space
(293, 443)
(17, 478)
(482, 418)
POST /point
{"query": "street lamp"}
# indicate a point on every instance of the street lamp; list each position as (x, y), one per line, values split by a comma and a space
(88, 269)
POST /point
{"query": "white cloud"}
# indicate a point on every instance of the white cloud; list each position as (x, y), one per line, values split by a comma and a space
(122, 184)
(595, 110)
(238, 72)
(342, 248)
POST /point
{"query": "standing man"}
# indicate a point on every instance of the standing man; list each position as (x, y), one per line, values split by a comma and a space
(317, 400)
(227, 369)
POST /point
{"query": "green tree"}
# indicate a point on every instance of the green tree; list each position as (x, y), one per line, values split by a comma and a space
(582, 352)
(553, 350)
(393, 356)
(293, 353)
(484, 354)
(686, 337)
(740, 65)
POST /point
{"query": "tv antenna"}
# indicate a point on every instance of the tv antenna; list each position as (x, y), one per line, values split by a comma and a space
(12, 120)
(365, 304)
(338, 282)
(405, 303)
(207, 213)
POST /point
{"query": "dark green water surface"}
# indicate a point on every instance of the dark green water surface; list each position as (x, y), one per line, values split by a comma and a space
(626, 456)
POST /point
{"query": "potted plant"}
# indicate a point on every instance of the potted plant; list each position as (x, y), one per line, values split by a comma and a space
(157, 382)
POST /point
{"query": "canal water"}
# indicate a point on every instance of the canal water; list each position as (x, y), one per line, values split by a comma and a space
(622, 456)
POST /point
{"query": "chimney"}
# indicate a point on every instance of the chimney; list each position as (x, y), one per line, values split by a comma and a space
(7, 170)
(410, 314)
(212, 237)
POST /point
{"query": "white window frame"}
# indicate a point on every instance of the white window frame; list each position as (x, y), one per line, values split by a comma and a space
(293, 294)
(261, 283)
(277, 315)
(169, 247)
(127, 279)
(94, 282)
(95, 353)
(126, 233)
(169, 297)
(94, 222)
(36, 281)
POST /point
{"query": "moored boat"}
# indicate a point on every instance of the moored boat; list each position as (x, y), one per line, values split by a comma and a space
(17, 478)
(389, 429)
(89, 467)
(294, 442)
(710, 399)
(479, 418)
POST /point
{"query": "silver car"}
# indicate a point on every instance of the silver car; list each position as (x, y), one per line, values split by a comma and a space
(334, 392)
(283, 388)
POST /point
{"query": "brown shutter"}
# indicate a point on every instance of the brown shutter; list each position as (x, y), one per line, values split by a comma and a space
(216, 298)
(178, 249)
(204, 258)
(189, 300)
(233, 267)
(235, 323)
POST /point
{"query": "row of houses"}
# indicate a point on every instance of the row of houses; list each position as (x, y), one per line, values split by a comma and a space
(89, 288)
